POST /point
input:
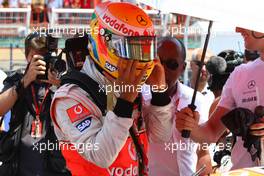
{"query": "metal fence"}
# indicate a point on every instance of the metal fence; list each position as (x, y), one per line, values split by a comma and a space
(14, 21)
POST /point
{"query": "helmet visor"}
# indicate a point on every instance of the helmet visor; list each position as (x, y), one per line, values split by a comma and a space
(142, 48)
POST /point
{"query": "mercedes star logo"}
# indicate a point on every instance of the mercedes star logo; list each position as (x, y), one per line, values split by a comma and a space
(141, 20)
(251, 84)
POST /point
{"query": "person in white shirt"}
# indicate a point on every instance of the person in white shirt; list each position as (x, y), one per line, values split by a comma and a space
(178, 156)
(244, 88)
(203, 81)
(218, 77)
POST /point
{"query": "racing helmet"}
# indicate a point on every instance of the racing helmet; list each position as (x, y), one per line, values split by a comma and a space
(121, 31)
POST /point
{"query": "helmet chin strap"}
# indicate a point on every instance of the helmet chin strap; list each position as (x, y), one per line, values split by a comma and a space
(256, 37)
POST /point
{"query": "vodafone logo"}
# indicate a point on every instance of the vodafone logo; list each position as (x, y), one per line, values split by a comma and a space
(78, 109)
(120, 171)
(132, 151)
(78, 112)
(121, 27)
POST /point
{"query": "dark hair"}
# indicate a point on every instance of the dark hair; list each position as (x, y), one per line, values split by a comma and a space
(251, 55)
(233, 59)
(35, 41)
(161, 40)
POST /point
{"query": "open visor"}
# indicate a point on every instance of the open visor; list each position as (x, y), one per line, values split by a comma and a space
(142, 48)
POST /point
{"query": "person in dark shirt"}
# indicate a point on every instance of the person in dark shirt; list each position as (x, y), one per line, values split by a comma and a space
(29, 99)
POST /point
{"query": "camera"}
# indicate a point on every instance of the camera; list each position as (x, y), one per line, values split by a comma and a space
(53, 61)
(76, 51)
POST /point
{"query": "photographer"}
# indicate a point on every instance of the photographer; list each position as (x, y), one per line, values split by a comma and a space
(29, 97)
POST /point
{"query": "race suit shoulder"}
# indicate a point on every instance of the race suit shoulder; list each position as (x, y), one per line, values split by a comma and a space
(81, 123)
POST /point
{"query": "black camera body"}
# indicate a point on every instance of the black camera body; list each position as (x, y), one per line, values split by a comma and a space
(76, 51)
(53, 61)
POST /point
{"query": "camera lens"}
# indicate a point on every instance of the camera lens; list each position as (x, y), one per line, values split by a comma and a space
(60, 65)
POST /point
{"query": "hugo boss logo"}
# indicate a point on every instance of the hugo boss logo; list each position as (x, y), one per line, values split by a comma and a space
(141, 20)
(251, 84)
(249, 99)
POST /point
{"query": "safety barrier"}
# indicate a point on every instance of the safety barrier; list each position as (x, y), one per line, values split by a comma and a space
(14, 21)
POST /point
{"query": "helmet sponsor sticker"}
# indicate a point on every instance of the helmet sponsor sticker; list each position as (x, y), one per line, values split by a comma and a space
(110, 67)
(119, 26)
(141, 20)
(78, 112)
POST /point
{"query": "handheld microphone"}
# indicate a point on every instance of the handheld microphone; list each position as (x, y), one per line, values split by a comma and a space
(216, 65)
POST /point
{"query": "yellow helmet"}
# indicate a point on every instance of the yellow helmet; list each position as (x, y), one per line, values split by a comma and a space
(121, 31)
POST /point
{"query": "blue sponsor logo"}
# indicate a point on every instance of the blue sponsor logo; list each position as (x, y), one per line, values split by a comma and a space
(110, 67)
(86, 123)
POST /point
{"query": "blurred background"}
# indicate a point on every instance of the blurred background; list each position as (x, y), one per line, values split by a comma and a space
(69, 17)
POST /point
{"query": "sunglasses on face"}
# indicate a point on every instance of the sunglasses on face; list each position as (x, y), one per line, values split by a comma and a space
(170, 64)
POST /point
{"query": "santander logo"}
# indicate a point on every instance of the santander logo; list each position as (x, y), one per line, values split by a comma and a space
(119, 26)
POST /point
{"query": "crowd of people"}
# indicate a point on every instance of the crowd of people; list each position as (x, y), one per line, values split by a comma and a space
(73, 4)
(134, 128)
(41, 9)
(48, 3)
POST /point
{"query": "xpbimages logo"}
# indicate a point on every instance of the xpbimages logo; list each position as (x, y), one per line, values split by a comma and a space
(62, 145)
(123, 88)
(60, 31)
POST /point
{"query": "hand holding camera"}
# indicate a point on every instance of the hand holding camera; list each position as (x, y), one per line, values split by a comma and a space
(54, 62)
(36, 67)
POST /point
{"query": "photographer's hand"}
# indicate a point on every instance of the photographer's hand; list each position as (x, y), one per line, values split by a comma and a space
(9, 97)
(36, 67)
